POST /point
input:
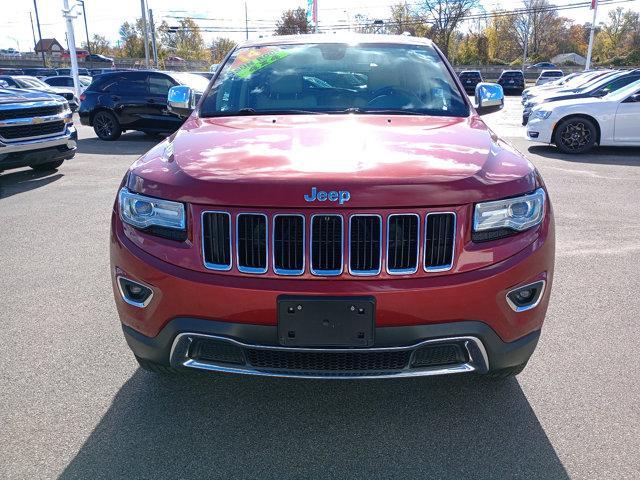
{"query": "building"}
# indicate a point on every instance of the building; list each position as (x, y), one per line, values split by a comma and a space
(50, 46)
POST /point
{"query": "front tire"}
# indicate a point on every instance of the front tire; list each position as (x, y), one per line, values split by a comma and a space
(575, 135)
(106, 126)
(43, 167)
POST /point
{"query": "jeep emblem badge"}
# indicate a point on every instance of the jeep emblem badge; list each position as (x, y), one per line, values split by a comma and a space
(340, 196)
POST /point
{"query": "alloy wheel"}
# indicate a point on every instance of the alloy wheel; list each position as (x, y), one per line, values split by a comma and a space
(575, 135)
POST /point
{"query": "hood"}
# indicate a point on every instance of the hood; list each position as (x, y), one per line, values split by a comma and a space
(16, 95)
(569, 102)
(392, 161)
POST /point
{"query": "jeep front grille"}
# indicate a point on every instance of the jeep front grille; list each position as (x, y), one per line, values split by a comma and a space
(283, 243)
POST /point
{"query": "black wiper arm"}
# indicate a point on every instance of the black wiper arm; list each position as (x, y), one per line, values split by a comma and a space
(253, 111)
(381, 111)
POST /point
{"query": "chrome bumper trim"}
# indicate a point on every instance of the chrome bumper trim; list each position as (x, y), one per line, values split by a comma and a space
(478, 360)
(63, 139)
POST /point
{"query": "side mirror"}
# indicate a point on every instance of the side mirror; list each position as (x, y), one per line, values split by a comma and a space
(181, 100)
(489, 98)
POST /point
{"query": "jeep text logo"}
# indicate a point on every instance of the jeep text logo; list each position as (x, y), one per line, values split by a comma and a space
(342, 196)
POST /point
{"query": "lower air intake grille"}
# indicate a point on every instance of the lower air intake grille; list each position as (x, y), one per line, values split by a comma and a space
(439, 355)
(327, 361)
(288, 244)
(439, 241)
(212, 351)
(364, 246)
(252, 243)
(402, 244)
(326, 244)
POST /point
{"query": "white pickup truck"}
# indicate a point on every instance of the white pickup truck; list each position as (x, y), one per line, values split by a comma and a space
(36, 130)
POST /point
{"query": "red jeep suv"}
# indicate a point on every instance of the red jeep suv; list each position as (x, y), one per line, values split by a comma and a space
(333, 207)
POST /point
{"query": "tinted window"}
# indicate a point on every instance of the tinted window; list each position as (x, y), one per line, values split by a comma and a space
(474, 75)
(159, 85)
(617, 84)
(126, 84)
(512, 75)
(59, 82)
(10, 81)
(335, 77)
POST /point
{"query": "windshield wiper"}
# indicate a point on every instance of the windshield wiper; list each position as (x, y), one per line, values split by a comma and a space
(380, 111)
(253, 111)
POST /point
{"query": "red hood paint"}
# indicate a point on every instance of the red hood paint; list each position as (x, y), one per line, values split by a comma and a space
(383, 161)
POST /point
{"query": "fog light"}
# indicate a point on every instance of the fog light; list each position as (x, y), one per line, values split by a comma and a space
(526, 297)
(534, 134)
(134, 293)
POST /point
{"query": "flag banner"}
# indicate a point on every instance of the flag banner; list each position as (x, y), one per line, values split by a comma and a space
(594, 4)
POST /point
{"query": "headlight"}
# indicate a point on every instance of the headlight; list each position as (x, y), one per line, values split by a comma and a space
(542, 114)
(501, 218)
(162, 217)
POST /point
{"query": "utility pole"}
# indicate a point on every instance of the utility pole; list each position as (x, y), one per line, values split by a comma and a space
(594, 7)
(33, 32)
(246, 22)
(68, 14)
(526, 42)
(35, 5)
(152, 26)
(146, 32)
(86, 31)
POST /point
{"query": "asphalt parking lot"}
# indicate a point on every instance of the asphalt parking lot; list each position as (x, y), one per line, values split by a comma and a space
(74, 405)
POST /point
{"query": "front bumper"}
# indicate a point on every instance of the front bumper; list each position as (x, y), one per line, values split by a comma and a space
(540, 130)
(44, 150)
(399, 351)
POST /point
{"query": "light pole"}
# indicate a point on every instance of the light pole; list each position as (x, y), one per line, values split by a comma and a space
(35, 6)
(86, 31)
(68, 14)
(594, 6)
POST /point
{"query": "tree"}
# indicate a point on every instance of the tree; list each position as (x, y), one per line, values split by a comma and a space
(185, 40)
(445, 16)
(98, 44)
(131, 43)
(220, 47)
(403, 19)
(293, 22)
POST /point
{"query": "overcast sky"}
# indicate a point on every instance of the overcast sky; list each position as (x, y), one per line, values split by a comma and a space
(221, 17)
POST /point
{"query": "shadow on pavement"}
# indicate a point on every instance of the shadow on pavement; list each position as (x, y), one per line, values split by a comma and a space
(230, 427)
(130, 143)
(21, 181)
(629, 156)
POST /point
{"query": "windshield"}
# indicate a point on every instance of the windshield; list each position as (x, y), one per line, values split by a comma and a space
(596, 81)
(33, 82)
(332, 78)
(194, 81)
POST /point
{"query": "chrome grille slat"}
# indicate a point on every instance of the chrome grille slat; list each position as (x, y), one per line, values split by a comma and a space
(403, 231)
(251, 242)
(365, 244)
(288, 244)
(327, 244)
(439, 244)
(216, 240)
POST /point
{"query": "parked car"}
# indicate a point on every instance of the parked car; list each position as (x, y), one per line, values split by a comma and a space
(576, 126)
(10, 52)
(35, 84)
(133, 100)
(388, 238)
(36, 130)
(67, 81)
(81, 54)
(99, 71)
(207, 75)
(574, 78)
(40, 72)
(214, 67)
(67, 71)
(512, 81)
(598, 87)
(11, 71)
(174, 59)
(542, 66)
(469, 79)
(96, 58)
(547, 76)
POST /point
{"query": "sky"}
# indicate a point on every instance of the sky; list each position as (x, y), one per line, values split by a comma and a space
(220, 18)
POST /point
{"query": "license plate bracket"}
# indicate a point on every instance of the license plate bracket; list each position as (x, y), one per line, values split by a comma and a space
(326, 321)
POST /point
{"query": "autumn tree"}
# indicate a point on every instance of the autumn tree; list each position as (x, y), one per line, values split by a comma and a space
(98, 44)
(184, 40)
(444, 16)
(293, 22)
(404, 19)
(220, 47)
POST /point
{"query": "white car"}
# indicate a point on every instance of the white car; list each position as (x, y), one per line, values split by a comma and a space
(547, 76)
(577, 125)
(570, 81)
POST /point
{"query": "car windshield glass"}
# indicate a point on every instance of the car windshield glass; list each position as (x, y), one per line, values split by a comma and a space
(597, 81)
(191, 80)
(335, 78)
(33, 83)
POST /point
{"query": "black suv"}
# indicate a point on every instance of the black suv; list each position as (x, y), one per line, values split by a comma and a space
(469, 79)
(134, 100)
(512, 81)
